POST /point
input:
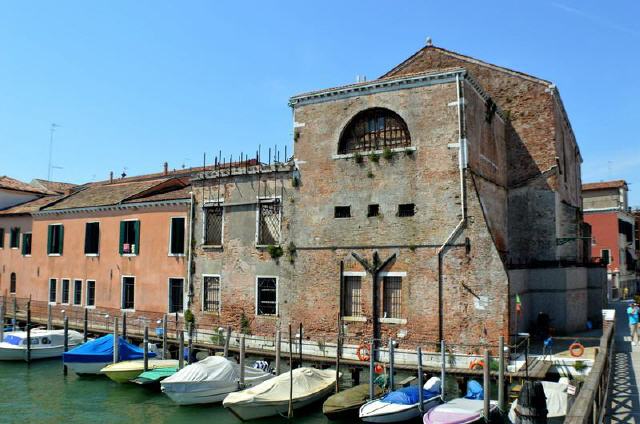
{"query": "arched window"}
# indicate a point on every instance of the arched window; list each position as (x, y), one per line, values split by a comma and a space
(374, 129)
(12, 287)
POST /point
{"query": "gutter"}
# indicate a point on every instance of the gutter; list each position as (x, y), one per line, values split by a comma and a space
(462, 165)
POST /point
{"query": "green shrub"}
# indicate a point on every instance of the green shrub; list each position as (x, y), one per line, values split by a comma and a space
(358, 157)
(387, 153)
(245, 325)
(275, 251)
(375, 157)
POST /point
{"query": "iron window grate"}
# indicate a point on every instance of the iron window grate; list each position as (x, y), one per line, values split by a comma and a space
(213, 225)
(407, 209)
(267, 296)
(211, 300)
(342, 212)
(352, 306)
(269, 223)
(392, 297)
(374, 129)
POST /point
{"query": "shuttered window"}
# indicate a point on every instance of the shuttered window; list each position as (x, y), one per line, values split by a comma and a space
(26, 244)
(129, 237)
(55, 239)
(53, 286)
(14, 238)
(1, 238)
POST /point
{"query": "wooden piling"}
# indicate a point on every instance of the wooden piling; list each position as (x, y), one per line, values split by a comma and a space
(190, 343)
(290, 410)
(164, 337)
(227, 339)
(146, 348)
(181, 350)
(420, 383)
(116, 344)
(15, 315)
(372, 392)
(124, 325)
(443, 366)
(85, 326)
(501, 394)
(49, 323)
(391, 365)
(338, 353)
(242, 353)
(300, 346)
(2, 321)
(487, 386)
(278, 343)
(66, 342)
(29, 331)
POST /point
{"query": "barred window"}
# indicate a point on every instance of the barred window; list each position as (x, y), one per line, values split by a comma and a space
(53, 284)
(128, 292)
(12, 286)
(392, 297)
(91, 293)
(211, 293)
(267, 296)
(269, 223)
(65, 291)
(77, 292)
(374, 129)
(213, 225)
(352, 301)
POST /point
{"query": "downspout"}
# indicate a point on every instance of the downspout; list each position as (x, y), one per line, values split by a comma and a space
(189, 255)
(462, 165)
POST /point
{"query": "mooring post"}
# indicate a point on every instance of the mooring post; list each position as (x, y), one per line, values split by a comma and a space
(487, 385)
(227, 340)
(338, 353)
(190, 343)
(164, 336)
(116, 342)
(443, 367)
(124, 325)
(242, 352)
(420, 383)
(278, 342)
(146, 348)
(181, 350)
(2, 321)
(391, 365)
(85, 326)
(501, 398)
(29, 331)
(372, 392)
(300, 347)
(66, 341)
(15, 315)
(290, 409)
(49, 324)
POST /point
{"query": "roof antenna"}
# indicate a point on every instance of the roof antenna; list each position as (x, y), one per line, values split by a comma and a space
(429, 42)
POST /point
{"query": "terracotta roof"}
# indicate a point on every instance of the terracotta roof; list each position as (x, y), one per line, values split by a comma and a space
(180, 193)
(54, 186)
(604, 185)
(29, 207)
(16, 185)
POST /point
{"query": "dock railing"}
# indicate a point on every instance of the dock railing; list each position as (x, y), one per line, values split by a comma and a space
(591, 402)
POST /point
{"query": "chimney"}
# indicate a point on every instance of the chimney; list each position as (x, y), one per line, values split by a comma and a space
(166, 168)
(111, 177)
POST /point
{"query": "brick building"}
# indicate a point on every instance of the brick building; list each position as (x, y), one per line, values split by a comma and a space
(614, 233)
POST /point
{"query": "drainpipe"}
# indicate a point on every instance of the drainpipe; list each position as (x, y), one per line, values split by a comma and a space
(462, 165)
(189, 255)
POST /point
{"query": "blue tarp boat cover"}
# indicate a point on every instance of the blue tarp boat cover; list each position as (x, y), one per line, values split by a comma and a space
(407, 396)
(101, 350)
(474, 390)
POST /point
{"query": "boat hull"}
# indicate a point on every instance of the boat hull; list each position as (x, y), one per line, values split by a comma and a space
(123, 372)
(86, 368)
(380, 412)
(205, 395)
(20, 354)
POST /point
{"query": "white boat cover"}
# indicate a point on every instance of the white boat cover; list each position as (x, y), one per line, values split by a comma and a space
(306, 382)
(214, 370)
(556, 394)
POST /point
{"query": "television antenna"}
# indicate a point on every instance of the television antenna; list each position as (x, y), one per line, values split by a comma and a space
(52, 129)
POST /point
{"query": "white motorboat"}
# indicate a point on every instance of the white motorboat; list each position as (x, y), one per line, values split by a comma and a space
(402, 404)
(465, 410)
(44, 344)
(556, 394)
(272, 396)
(210, 380)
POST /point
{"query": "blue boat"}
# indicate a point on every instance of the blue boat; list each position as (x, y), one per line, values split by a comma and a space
(92, 356)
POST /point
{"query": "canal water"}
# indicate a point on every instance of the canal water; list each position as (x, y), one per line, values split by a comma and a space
(41, 394)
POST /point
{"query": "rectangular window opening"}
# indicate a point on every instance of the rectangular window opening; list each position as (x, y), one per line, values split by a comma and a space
(407, 209)
(55, 239)
(342, 212)
(267, 298)
(373, 210)
(26, 244)
(213, 225)
(177, 242)
(77, 292)
(352, 302)
(605, 254)
(176, 287)
(92, 238)
(91, 293)
(1, 238)
(53, 285)
(211, 294)
(269, 223)
(129, 237)
(65, 291)
(14, 238)
(392, 297)
(128, 292)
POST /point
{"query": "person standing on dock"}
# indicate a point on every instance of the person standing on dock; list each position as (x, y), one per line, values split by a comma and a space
(632, 313)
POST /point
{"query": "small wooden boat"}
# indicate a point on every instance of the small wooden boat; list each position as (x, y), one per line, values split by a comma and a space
(347, 403)
(123, 372)
(152, 379)
(44, 344)
(272, 396)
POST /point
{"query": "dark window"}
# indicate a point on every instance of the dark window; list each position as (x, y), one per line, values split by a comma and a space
(408, 209)
(177, 236)
(92, 238)
(373, 210)
(605, 254)
(55, 239)
(213, 225)
(77, 292)
(374, 129)
(14, 238)
(53, 285)
(352, 296)
(392, 297)
(269, 223)
(267, 296)
(12, 286)
(342, 212)
(65, 291)
(211, 293)
(129, 237)
(128, 292)
(1, 237)
(26, 244)
(91, 293)
(175, 294)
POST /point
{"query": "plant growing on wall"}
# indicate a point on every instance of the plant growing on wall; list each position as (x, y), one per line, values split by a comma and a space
(357, 157)
(245, 325)
(189, 318)
(408, 152)
(275, 251)
(375, 157)
(387, 153)
(370, 174)
(291, 251)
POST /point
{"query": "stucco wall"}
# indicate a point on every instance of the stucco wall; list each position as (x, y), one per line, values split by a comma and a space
(12, 260)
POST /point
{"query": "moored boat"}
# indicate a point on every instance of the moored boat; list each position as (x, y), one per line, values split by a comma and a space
(466, 410)
(44, 344)
(210, 380)
(347, 403)
(123, 372)
(152, 379)
(556, 401)
(272, 396)
(94, 355)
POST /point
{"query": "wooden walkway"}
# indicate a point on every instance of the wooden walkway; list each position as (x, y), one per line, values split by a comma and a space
(624, 400)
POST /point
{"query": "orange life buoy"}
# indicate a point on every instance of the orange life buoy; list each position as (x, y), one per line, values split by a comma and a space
(379, 369)
(363, 352)
(576, 350)
(475, 364)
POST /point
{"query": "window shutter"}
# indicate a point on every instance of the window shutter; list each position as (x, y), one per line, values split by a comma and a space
(86, 238)
(137, 227)
(61, 238)
(121, 237)
(49, 238)
(24, 244)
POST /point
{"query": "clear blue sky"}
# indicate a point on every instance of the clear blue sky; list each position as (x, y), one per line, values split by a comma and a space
(137, 83)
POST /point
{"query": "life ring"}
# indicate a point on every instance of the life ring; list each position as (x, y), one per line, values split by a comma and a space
(576, 350)
(363, 352)
(476, 364)
(379, 369)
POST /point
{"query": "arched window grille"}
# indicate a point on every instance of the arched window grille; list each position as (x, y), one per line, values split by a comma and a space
(12, 287)
(374, 129)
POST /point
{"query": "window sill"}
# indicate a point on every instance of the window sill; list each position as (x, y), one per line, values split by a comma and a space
(14, 248)
(212, 246)
(26, 256)
(92, 255)
(77, 304)
(52, 303)
(12, 293)
(177, 255)
(371, 152)
(128, 255)
(267, 316)
(127, 310)
(54, 254)
(90, 307)
(354, 319)
(392, 320)
(266, 246)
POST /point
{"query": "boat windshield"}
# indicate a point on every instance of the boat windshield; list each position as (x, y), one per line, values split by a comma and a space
(14, 340)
